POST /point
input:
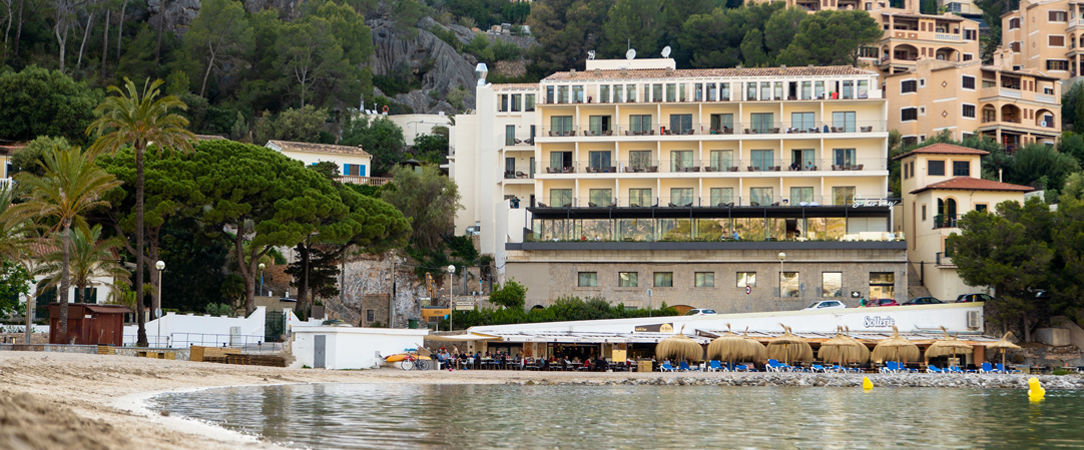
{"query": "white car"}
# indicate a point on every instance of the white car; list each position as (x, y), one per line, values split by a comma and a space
(826, 304)
(699, 312)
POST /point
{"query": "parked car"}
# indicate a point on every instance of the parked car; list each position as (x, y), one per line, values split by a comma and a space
(978, 297)
(699, 312)
(883, 302)
(923, 301)
(826, 304)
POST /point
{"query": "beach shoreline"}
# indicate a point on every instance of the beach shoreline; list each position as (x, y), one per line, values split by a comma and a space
(58, 400)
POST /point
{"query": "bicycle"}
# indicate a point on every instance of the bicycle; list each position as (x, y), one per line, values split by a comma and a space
(412, 361)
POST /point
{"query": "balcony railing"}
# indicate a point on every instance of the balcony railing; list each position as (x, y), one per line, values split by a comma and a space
(697, 201)
(371, 181)
(712, 229)
(943, 259)
(702, 129)
(942, 221)
(717, 166)
(732, 97)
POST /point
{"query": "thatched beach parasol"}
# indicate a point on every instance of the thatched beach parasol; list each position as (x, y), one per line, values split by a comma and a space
(843, 349)
(895, 348)
(948, 345)
(679, 347)
(789, 347)
(1003, 344)
(730, 347)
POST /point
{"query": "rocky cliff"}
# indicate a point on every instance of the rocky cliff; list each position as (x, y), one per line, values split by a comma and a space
(441, 68)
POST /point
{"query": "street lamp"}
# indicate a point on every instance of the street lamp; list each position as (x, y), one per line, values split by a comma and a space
(451, 300)
(782, 256)
(160, 265)
(262, 266)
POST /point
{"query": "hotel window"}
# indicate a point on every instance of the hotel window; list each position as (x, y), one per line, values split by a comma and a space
(517, 102)
(760, 196)
(722, 123)
(705, 279)
(600, 161)
(907, 86)
(713, 93)
(961, 169)
(868, 52)
(765, 90)
(721, 197)
(562, 94)
(882, 285)
(641, 197)
(1057, 64)
(968, 111)
(935, 168)
(777, 92)
(604, 93)
(503, 106)
(698, 92)
(788, 284)
(640, 123)
(681, 124)
(588, 279)
(618, 91)
(844, 121)
(627, 279)
(721, 160)
(747, 279)
(560, 198)
(908, 114)
(656, 92)
(599, 125)
(1014, 23)
(801, 195)
(528, 102)
(681, 197)
(802, 121)
(664, 279)
(681, 160)
(818, 89)
(560, 161)
(549, 94)
(561, 125)
(630, 93)
(1055, 40)
(640, 160)
(968, 82)
(1057, 16)
(842, 195)
(802, 159)
(577, 94)
(831, 284)
(724, 92)
(682, 95)
(763, 159)
(751, 91)
(509, 135)
(848, 89)
(600, 198)
(807, 90)
(671, 92)
(844, 158)
(762, 122)
(971, 35)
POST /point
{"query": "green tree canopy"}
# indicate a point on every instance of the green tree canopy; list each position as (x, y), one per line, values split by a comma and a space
(509, 295)
(37, 102)
(219, 37)
(29, 158)
(380, 137)
(428, 199)
(831, 38)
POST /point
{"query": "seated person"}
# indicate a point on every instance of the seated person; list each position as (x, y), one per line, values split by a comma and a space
(795, 166)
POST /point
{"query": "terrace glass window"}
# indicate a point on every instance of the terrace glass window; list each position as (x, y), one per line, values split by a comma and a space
(562, 125)
(618, 91)
(842, 195)
(750, 91)
(604, 93)
(863, 89)
(630, 93)
(562, 94)
(671, 92)
(517, 102)
(561, 198)
(848, 89)
(800, 195)
(528, 102)
(807, 90)
(681, 123)
(722, 196)
(762, 159)
(844, 121)
(818, 90)
(802, 159)
(600, 125)
(713, 92)
(640, 197)
(640, 123)
(600, 161)
(760, 196)
(577, 94)
(600, 197)
(777, 90)
(803, 121)
(698, 92)
(640, 160)
(722, 123)
(549, 94)
(765, 90)
(789, 286)
(844, 158)
(721, 160)
(560, 161)
(882, 285)
(656, 92)
(681, 196)
(503, 106)
(763, 122)
(724, 91)
(831, 284)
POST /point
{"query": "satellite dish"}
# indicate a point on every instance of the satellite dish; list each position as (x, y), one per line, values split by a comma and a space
(666, 52)
(631, 54)
(590, 54)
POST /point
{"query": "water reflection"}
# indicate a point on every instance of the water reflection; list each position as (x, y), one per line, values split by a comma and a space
(365, 415)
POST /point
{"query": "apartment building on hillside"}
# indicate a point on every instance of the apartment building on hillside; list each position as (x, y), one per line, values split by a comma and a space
(734, 189)
(1014, 108)
(1045, 37)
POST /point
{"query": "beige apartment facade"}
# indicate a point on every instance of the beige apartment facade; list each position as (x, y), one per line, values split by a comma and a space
(1045, 37)
(941, 183)
(1014, 108)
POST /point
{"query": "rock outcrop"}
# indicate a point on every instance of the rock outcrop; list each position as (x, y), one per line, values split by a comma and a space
(441, 68)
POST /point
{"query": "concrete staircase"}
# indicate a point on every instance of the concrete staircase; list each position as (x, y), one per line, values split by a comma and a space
(915, 288)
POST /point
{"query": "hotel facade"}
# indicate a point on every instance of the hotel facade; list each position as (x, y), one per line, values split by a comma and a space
(734, 189)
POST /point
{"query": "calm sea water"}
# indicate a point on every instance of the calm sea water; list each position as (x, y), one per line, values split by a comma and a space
(472, 416)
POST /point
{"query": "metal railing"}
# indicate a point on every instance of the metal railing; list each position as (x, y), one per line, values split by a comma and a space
(185, 340)
(59, 348)
(371, 181)
(942, 221)
(718, 166)
(707, 129)
(702, 200)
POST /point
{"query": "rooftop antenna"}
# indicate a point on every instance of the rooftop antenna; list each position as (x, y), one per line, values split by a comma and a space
(666, 52)
(631, 54)
(590, 54)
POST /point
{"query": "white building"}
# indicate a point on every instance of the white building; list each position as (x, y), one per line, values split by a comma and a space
(414, 125)
(355, 164)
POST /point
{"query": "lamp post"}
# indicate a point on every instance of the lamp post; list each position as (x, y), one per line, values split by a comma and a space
(160, 265)
(262, 266)
(451, 299)
(782, 256)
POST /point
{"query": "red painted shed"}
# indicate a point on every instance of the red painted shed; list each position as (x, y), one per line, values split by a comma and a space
(89, 324)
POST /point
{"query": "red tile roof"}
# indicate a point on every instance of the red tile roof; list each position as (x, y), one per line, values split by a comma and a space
(941, 148)
(309, 147)
(974, 184)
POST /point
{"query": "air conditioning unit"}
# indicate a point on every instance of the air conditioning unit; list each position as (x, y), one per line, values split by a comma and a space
(974, 320)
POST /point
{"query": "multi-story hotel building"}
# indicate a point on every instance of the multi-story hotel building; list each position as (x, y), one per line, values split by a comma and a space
(1014, 108)
(941, 183)
(1045, 37)
(735, 189)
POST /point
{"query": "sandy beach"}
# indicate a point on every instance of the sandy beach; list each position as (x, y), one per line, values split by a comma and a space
(62, 400)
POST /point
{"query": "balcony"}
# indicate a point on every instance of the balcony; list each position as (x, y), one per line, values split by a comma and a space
(369, 181)
(943, 221)
(722, 167)
(774, 129)
(942, 259)
(706, 200)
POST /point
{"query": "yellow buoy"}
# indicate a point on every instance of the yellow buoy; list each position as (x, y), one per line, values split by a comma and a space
(1035, 390)
(866, 384)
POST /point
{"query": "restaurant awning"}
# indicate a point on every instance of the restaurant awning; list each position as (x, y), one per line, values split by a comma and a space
(463, 337)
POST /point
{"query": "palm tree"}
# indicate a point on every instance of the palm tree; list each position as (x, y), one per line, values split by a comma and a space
(91, 257)
(72, 185)
(15, 238)
(140, 118)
